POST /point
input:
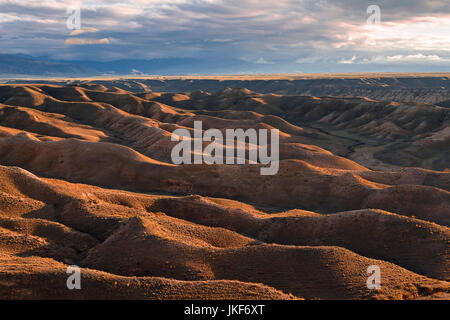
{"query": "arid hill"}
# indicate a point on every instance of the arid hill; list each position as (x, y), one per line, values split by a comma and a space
(86, 179)
(433, 88)
(381, 121)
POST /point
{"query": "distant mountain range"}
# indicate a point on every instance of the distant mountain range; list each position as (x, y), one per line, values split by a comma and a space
(23, 65)
(17, 65)
(171, 66)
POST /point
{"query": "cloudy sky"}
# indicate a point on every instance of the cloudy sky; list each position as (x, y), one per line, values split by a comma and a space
(306, 35)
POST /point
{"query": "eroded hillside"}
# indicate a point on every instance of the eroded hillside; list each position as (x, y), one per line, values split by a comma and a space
(86, 178)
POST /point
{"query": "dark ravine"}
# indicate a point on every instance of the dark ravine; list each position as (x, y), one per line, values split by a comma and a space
(350, 149)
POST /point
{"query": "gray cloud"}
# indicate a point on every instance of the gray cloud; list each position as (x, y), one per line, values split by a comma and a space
(303, 32)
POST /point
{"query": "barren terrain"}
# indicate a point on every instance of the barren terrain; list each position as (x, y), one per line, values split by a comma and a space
(86, 179)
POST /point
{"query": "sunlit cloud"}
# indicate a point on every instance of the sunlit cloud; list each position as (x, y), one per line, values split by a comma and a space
(78, 41)
(406, 59)
(83, 30)
(425, 33)
(348, 61)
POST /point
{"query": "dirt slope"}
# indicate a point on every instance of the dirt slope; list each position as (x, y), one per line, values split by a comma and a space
(86, 179)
